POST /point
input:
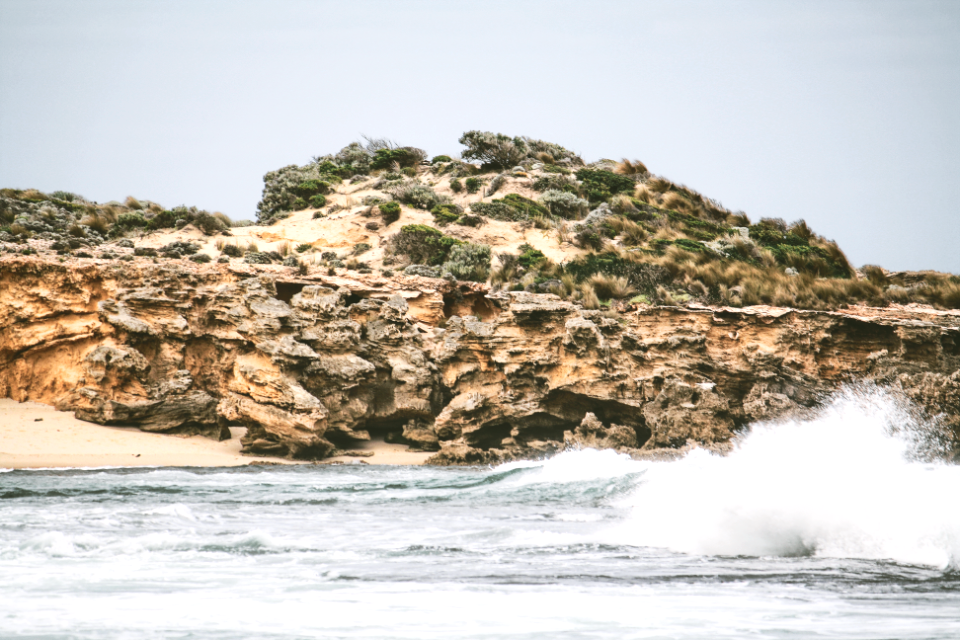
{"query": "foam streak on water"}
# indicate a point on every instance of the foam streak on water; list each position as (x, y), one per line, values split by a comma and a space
(816, 529)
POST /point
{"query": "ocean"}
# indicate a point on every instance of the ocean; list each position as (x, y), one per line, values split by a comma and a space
(841, 526)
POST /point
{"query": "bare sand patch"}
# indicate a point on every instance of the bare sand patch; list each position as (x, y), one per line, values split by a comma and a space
(34, 435)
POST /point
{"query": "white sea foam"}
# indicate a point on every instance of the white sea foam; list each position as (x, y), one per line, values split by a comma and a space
(842, 485)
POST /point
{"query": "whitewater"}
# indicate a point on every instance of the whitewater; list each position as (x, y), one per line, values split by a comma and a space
(843, 525)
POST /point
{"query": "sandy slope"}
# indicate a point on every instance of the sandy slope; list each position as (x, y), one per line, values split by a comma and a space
(341, 231)
(34, 435)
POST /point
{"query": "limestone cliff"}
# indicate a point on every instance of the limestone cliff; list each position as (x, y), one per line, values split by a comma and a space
(312, 363)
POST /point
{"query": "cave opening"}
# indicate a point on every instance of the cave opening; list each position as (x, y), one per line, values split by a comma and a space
(286, 290)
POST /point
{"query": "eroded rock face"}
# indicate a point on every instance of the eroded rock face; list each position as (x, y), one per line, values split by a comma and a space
(310, 365)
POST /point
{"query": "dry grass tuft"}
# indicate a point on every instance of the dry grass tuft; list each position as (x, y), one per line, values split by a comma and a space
(132, 203)
(631, 168)
(607, 287)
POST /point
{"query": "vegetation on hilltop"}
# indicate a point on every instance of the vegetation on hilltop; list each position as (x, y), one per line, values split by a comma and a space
(632, 237)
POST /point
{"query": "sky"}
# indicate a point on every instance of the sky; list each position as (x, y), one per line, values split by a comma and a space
(843, 113)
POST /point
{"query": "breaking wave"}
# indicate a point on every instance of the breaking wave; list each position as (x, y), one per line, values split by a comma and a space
(854, 482)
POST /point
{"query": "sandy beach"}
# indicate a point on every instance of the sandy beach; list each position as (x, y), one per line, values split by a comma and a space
(34, 435)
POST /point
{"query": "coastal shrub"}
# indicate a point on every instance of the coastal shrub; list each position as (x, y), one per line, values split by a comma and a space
(599, 184)
(423, 244)
(473, 184)
(563, 203)
(437, 159)
(446, 213)
(471, 220)
(305, 246)
(127, 221)
(401, 156)
(201, 258)
(318, 201)
(529, 257)
(493, 149)
(289, 188)
(360, 247)
(416, 195)
(555, 182)
(456, 186)
(468, 261)
(232, 250)
(495, 184)
(389, 212)
(510, 207)
(255, 257)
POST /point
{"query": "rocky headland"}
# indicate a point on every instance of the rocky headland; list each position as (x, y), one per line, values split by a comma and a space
(651, 323)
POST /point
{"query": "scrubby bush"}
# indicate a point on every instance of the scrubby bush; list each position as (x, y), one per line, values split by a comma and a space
(288, 188)
(360, 247)
(232, 250)
(437, 159)
(389, 212)
(493, 149)
(127, 221)
(495, 184)
(473, 184)
(305, 246)
(201, 258)
(401, 156)
(497, 150)
(563, 204)
(556, 182)
(446, 213)
(423, 244)
(318, 201)
(510, 207)
(529, 257)
(456, 186)
(469, 261)
(598, 184)
(416, 195)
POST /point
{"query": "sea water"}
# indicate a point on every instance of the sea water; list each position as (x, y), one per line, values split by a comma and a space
(841, 526)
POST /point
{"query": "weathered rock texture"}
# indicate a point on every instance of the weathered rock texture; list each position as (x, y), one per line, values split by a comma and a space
(310, 365)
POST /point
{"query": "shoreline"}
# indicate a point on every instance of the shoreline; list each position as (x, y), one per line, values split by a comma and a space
(37, 436)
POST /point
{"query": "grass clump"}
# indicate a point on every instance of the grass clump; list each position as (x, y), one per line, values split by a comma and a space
(445, 214)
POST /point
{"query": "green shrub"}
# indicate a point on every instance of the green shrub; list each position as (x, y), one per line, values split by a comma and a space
(128, 221)
(389, 212)
(403, 156)
(589, 237)
(309, 188)
(318, 201)
(446, 213)
(360, 247)
(289, 188)
(599, 184)
(473, 184)
(232, 250)
(201, 258)
(437, 159)
(563, 204)
(555, 182)
(510, 207)
(530, 257)
(306, 246)
(456, 186)
(423, 244)
(469, 261)
(416, 195)
(493, 149)
(207, 223)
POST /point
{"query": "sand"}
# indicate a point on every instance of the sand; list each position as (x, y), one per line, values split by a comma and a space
(34, 435)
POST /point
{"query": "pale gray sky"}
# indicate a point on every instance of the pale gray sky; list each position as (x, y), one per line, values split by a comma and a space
(846, 114)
